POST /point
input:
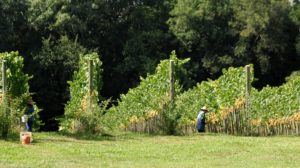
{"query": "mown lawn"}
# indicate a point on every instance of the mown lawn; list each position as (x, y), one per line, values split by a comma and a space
(134, 150)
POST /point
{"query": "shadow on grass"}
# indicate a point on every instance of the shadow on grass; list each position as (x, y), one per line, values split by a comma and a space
(116, 136)
(12, 137)
(88, 136)
(42, 137)
(59, 137)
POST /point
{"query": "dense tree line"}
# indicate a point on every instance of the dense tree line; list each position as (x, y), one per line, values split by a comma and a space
(132, 36)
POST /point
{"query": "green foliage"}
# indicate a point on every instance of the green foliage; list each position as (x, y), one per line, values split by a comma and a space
(216, 95)
(224, 33)
(130, 34)
(4, 122)
(268, 103)
(82, 112)
(17, 80)
(295, 17)
(140, 53)
(63, 52)
(267, 36)
(134, 36)
(13, 105)
(276, 102)
(202, 27)
(13, 24)
(152, 94)
(53, 66)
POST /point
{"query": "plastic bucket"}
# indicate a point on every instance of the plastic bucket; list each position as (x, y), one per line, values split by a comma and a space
(24, 118)
(25, 138)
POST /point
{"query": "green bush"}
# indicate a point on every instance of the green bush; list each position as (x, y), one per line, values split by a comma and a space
(80, 115)
(221, 94)
(276, 102)
(17, 95)
(216, 95)
(152, 95)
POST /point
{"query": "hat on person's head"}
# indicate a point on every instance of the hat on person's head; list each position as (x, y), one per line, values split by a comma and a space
(204, 108)
(30, 102)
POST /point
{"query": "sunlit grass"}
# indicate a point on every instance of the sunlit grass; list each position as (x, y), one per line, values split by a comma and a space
(134, 150)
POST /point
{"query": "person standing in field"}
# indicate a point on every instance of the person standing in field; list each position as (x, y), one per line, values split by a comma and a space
(29, 112)
(201, 119)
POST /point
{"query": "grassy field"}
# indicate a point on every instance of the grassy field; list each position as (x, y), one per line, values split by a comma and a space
(134, 150)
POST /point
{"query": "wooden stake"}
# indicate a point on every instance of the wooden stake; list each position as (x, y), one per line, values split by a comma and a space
(247, 94)
(90, 83)
(248, 87)
(4, 78)
(171, 75)
(4, 87)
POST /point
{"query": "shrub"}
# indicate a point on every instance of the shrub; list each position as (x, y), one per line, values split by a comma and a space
(150, 97)
(17, 95)
(82, 112)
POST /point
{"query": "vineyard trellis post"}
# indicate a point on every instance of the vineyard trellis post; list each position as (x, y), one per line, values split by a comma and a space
(4, 80)
(248, 87)
(90, 83)
(172, 90)
(4, 87)
(247, 98)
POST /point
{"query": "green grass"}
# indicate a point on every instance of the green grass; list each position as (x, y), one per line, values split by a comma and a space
(134, 150)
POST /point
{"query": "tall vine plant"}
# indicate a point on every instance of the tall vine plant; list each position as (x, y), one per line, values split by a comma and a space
(83, 112)
(17, 95)
(271, 111)
(217, 95)
(148, 105)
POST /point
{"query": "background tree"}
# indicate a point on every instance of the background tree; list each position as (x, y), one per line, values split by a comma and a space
(54, 63)
(203, 28)
(295, 17)
(219, 33)
(148, 40)
(266, 37)
(132, 36)
(13, 25)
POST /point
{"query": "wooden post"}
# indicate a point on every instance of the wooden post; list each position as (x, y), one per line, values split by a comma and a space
(248, 87)
(90, 82)
(171, 75)
(4, 132)
(247, 96)
(4, 79)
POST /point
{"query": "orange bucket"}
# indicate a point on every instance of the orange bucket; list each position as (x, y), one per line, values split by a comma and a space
(25, 138)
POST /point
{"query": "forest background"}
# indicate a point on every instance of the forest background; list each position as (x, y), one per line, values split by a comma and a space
(132, 36)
